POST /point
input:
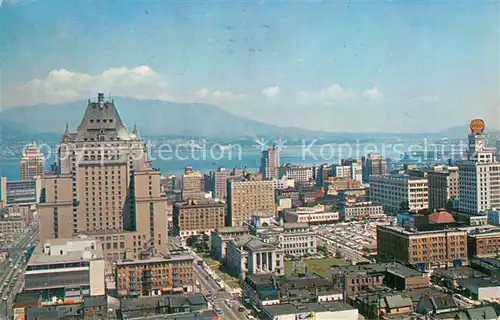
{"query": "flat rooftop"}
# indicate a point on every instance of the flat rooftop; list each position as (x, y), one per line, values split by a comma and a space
(172, 258)
(286, 309)
(363, 270)
(66, 250)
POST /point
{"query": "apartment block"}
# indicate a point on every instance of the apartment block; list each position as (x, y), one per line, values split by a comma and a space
(196, 217)
(155, 276)
(32, 162)
(424, 249)
(399, 192)
(443, 183)
(247, 198)
(66, 269)
(103, 185)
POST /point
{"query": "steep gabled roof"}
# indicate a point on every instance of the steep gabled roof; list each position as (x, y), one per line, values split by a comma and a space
(101, 119)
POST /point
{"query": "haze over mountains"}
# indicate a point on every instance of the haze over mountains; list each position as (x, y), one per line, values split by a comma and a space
(163, 118)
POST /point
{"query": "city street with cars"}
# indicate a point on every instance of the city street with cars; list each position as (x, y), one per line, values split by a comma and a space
(11, 274)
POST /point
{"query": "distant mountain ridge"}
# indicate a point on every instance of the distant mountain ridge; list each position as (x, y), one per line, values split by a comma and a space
(163, 118)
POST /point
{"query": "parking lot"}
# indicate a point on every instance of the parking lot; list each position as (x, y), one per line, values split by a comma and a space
(355, 241)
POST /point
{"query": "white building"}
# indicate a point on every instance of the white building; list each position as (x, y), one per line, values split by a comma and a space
(479, 176)
(395, 191)
(361, 210)
(66, 269)
(250, 255)
(314, 310)
(297, 173)
(348, 169)
(311, 215)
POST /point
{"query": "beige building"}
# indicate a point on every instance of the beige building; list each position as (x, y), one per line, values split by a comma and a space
(104, 185)
(424, 249)
(399, 190)
(32, 162)
(443, 183)
(195, 217)
(192, 180)
(247, 198)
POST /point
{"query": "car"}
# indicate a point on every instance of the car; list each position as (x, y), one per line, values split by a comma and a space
(5, 298)
(218, 310)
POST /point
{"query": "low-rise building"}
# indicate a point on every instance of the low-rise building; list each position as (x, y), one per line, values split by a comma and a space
(250, 255)
(481, 288)
(292, 194)
(425, 249)
(66, 270)
(313, 310)
(155, 276)
(10, 228)
(360, 210)
(196, 217)
(484, 244)
(450, 277)
(353, 280)
(375, 305)
(263, 290)
(284, 183)
(163, 306)
(494, 217)
(311, 215)
(297, 173)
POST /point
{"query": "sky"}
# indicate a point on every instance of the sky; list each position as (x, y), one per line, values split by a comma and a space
(356, 66)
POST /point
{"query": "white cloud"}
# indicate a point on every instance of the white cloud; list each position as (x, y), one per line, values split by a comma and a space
(427, 99)
(15, 2)
(61, 85)
(219, 97)
(335, 92)
(373, 93)
(271, 92)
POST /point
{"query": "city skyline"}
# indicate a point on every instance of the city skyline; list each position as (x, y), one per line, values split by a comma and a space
(403, 65)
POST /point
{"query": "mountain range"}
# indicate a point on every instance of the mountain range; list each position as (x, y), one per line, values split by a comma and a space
(163, 118)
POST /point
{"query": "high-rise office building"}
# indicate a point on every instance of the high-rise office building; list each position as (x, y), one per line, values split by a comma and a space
(399, 192)
(479, 174)
(32, 162)
(270, 163)
(247, 198)
(104, 185)
(192, 180)
(373, 165)
(443, 183)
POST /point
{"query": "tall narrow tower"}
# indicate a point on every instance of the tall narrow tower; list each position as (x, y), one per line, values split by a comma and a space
(32, 162)
(270, 163)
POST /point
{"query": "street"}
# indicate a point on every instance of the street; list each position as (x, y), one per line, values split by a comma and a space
(12, 271)
(208, 284)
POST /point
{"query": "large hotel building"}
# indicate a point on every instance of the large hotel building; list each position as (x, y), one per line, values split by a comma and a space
(103, 185)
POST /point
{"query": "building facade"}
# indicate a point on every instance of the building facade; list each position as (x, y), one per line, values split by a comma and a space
(247, 198)
(66, 269)
(311, 215)
(360, 210)
(484, 244)
(479, 174)
(196, 217)
(192, 180)
(297, 173)
(104, 185)
(373, 165)
(21, 192)
(443, 186)
(399, 192)
(424, 249)
(349, 169)
(32, 162)
(270, 163)
(155, 276)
